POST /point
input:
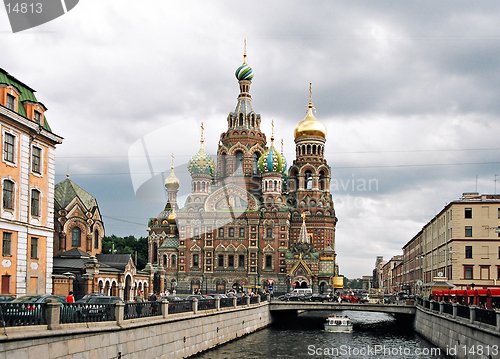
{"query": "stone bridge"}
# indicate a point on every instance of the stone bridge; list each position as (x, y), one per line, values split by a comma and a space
(393, 309)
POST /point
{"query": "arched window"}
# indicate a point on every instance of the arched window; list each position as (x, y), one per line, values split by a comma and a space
(164, 261)
(241, 119)
(196, 260)
(239, 163)
(223, 163)
(309, 179)
(322, 180)
(255, 166)
(76, 237)
(96, 239)
(174, 260)
(155, 253)
(269, 232)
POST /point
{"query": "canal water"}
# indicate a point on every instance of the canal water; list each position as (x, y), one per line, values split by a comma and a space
(375, 335)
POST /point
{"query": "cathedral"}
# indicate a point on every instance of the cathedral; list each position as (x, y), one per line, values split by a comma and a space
(249, 223)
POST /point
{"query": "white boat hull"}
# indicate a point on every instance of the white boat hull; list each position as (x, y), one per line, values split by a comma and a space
(338, 328)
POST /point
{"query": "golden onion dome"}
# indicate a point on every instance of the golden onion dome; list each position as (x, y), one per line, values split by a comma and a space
(172, 182)
(171, 217)
(310, 126)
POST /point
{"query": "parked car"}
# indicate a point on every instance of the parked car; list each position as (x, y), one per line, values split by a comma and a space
(221, 296)
(87, 297)
(317, 297)
(4, 298)
(27, 309)
(98, 308)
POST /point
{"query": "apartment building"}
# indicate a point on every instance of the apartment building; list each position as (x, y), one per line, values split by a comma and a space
(461, 243)
(27, 185)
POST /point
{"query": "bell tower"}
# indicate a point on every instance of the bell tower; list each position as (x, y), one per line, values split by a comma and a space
(309, 178)
(241, 146)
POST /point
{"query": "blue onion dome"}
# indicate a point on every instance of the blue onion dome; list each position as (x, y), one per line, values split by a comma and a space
(272, 161)
(244, 72)
(201, 163)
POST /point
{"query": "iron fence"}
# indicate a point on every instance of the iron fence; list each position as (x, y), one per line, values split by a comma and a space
(254, 300)
(486, 316)
(142, 309)
(206, 304)
(181, 306)
(463, 311)
(241, 301)
(226, 302)
(21, 314)
(448, 308)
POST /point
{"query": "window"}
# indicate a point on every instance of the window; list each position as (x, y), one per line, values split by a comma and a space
(35, 159)
(8, 147)
(468, 231)
(11, 102)
(468, 251)
(196, 260)
(8, 194)
(164, 261)
(241, 260)
(7, 244)
(76, 237)
(468, 213)
(96, 239)
(196, 232)
(34, 248)
(499, 213)
(242, 232)
(231, 232)
(239, 163)
(269, 261)
(230, 260)
(255, 166)
(174, 260)
(221, 232)
(37, 116)
(468, 273)
(221, 260)
(269, 232)
(35, 202)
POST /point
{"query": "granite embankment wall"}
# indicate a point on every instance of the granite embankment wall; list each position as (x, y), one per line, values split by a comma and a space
(458, 337)
(177, 336)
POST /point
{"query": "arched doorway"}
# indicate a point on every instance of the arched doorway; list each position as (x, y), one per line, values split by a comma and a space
(128, 287)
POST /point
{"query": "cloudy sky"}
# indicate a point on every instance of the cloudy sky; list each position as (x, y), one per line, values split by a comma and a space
(408, 91)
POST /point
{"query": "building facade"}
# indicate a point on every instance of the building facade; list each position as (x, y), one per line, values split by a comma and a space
(248, 222)
(460, 244)
(27, 182)
(79, 264)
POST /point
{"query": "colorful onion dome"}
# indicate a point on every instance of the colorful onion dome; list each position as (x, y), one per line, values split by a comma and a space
(201, 163)
(244, 72)
(272, 161)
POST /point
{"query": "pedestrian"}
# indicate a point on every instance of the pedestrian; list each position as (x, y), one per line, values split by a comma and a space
(153, 299)
(70, 298)
(139, 299)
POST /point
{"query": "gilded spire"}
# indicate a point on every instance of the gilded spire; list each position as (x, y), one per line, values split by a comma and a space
(245, 53)
(172, 166)
(272, 132)
(282, 147)
(303, 237)
(172, 182)
(202, 140)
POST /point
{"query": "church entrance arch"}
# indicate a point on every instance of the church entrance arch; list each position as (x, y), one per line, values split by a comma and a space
(237, 287)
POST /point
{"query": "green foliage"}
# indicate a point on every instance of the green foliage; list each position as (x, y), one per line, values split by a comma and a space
(353, 283)
(127, 245)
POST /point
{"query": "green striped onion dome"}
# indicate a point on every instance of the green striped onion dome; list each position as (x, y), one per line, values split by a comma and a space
(201, 163)
(272, 161)
(244, 72)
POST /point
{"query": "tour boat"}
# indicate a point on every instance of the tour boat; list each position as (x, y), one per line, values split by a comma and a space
(338, 324)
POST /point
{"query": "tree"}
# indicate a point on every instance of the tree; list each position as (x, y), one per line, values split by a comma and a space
(127, 245)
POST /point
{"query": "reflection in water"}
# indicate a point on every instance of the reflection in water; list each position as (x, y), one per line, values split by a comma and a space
(375, 335)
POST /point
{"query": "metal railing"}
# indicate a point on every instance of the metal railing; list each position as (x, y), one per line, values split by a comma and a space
(206, 304)
(142, 309)
(226, 302)
(21, 314)
(254, 300)
(486, 316)
(241, 301)
(180, 306)
(448, 308)
(463, 311)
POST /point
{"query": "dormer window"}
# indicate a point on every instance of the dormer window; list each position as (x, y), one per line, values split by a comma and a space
(37, 117)
(11, 102)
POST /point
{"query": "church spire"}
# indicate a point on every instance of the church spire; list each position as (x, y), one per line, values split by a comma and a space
(303, 237)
